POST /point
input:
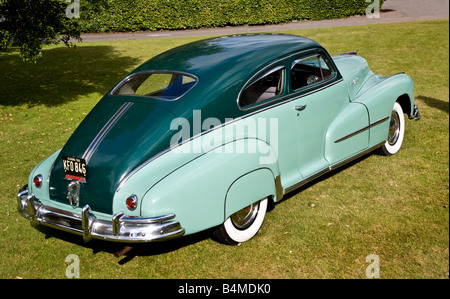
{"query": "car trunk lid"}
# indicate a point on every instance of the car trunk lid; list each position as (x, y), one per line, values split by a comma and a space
(116, 136)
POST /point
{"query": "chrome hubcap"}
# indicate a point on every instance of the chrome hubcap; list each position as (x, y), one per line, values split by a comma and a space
(244, 218)
(394, 128)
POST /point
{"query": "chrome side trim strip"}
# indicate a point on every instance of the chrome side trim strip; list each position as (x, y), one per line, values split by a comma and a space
(106, 128)
(339, 164)
(330, 168)
(363, 129)
(307, 180)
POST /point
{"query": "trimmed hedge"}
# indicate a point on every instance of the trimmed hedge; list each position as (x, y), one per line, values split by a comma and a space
(141, 15)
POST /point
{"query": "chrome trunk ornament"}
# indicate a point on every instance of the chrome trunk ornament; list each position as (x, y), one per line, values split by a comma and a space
(73, 193)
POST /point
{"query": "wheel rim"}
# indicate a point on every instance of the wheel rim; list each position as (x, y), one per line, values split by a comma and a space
(394, 129)
(244, 218)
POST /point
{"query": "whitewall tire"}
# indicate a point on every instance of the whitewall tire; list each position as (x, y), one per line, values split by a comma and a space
(242, 225)
(396, 132)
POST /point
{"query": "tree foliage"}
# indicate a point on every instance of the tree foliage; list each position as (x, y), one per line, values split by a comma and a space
(30, 24)
(137, 15)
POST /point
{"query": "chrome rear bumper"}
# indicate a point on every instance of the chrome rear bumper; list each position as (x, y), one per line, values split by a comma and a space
(119, 229)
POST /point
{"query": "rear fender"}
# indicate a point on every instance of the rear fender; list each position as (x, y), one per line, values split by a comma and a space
(203, 192)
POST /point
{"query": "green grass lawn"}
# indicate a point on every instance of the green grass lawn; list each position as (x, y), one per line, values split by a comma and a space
(394, 207)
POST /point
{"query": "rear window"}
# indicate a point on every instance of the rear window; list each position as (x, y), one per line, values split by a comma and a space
(159, 85)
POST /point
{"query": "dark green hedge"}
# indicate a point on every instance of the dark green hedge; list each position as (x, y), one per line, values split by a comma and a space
(137, 15)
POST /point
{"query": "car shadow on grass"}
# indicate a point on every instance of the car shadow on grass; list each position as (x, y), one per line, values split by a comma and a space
(435, 103)
(62, 75)
(123, 251)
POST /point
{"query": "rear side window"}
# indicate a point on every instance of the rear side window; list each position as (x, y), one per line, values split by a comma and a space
(160, 85)
(263, 88)
(309, 71)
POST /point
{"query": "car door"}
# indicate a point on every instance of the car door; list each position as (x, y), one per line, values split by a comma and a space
(318, 97)
(266, 98)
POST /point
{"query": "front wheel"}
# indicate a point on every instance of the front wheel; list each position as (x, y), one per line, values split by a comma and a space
(396, 132)
(242, 225)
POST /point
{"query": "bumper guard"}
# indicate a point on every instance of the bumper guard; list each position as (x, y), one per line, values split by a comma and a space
(120, 229)
(415, 114)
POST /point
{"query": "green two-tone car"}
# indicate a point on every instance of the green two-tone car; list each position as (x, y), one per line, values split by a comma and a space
(207, 134)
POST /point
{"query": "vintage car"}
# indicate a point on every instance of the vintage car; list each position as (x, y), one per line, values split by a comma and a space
(207, 134)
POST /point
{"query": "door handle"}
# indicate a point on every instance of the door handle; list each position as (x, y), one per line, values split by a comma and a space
(300, 108)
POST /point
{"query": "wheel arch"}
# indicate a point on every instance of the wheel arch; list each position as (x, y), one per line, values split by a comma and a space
(405, 102)
(250, 188)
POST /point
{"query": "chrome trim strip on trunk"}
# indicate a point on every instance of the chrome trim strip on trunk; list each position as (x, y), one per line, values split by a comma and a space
(106, 128)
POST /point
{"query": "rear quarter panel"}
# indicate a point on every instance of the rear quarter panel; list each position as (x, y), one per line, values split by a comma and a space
(208, 189)
(207, 178)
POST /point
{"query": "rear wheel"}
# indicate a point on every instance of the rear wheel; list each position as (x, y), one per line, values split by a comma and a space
(396, 132)
(242, 225)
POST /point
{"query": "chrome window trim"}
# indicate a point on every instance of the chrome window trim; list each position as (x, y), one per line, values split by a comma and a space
(303, 58)
(129, 77)
(271, 71)
(332, 77)
(259, 77)
(329, 82)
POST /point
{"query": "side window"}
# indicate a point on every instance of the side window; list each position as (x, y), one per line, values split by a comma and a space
(263, 88)
(308, 71)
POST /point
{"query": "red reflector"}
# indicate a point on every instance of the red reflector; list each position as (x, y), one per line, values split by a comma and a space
(77, 178)
(131, 202)
(38, 181)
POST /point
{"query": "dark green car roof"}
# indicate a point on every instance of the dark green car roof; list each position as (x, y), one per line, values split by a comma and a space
(223, 65)
(247, 53)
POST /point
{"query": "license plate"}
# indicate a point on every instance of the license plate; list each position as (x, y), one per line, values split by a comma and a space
(75, 168)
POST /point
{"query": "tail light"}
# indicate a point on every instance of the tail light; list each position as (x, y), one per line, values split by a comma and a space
(131, 202)
(37, 181)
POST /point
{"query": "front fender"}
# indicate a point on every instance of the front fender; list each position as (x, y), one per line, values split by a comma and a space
(380, 98)
(196, 192)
